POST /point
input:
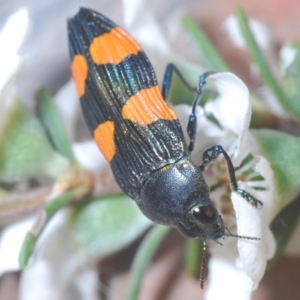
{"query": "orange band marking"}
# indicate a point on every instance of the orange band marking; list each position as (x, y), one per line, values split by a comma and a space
(146, 107)
(79, 70)
(113, 47)
(104, 137)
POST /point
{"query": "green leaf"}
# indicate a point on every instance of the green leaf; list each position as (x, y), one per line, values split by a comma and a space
(107, 224)
(291, 79)
(143, 257)
(27, 249)
(24, 147)
(283, 153)
(193, 252)
(213, 61)
(283, 227)
(49, 211)
(53, 125)
(259, 59)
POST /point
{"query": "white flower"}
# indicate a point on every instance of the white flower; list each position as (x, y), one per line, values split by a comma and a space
(239, 261)
(245, 260)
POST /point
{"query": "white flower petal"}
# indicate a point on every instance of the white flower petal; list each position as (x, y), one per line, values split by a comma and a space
(11, 37)
(226, 280)
(264, 169)
(232, 108)
(252, 252)
(254, 222)
(246, 145)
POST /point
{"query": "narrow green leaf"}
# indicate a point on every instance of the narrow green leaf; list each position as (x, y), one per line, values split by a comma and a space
(51, 120)
(258, 58)
(213, 59)
(50, 209)
(283, 153)
(283, 227)
(27, 249)
(107, 224)
(143, 257)
(57, 203)
(291, 78)
(192, 255)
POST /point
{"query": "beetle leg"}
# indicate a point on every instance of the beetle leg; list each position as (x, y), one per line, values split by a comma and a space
(192, 122)
(167, 82)
(210, 155)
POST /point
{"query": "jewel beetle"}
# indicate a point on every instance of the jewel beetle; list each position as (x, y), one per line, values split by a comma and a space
(137, 131)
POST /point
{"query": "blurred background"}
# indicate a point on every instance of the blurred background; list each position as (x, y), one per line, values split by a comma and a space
(46, 64)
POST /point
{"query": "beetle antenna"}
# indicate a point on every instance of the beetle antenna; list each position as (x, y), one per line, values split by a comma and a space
(240, 236)
(203, 265)
(204, 253)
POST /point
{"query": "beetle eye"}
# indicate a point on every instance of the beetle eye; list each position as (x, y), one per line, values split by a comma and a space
(206, 214)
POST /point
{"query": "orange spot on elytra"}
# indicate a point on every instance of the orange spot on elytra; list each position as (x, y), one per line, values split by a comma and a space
(104, 138)
(146, 107)
(113, 47)
(79, 70)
